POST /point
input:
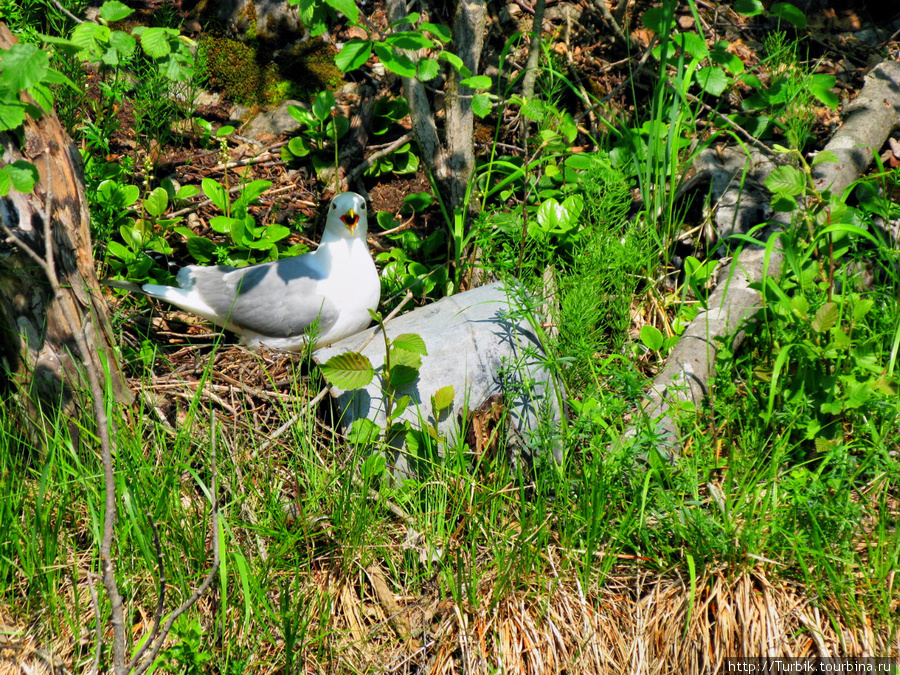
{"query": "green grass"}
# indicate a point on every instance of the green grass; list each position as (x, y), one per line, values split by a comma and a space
(788, 481)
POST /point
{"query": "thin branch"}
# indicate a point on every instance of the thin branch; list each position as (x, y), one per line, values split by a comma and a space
(95, 603)
(394, 230)
(534, 52)
(275, 435)
(611, 21)
(765, 149)
(161, 602)
(67, 12)
(375, 156)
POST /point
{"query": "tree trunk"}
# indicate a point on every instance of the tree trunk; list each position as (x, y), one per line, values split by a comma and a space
(39, 360)
(452, 162)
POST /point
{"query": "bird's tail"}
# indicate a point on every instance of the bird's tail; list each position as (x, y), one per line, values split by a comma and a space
(122, 284)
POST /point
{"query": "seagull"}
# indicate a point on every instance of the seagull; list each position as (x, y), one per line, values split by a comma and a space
(276, 304)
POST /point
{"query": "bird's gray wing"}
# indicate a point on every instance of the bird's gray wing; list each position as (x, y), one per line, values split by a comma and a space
(279, 299)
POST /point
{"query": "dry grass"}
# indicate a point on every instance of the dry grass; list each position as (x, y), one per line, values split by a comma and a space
(638, 623)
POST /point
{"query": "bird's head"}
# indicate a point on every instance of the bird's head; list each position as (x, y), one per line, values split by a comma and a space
(347, 214)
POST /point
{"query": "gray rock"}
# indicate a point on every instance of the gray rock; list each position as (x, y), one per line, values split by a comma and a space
(275, 122)
(481, 342)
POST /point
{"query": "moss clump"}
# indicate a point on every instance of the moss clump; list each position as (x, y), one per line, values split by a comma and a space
(233, 67)
(309, 67)
(252, 75)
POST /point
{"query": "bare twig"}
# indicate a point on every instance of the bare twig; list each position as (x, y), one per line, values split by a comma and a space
(375, 156)
(611, 20)
(67, 12)
(161, 601)
(394, 230)
(746, 135)
(95, 603)
(534, 53)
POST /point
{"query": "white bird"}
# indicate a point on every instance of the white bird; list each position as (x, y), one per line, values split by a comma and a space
(274, 303)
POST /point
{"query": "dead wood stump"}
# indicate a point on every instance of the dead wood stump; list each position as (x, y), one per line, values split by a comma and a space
(39, 361)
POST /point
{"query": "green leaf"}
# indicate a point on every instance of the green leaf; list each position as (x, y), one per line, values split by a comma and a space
(443, 398)
(350, 370)
(353, 54)
(363, 431)
(155, 41)
(826, 317)
(122, 42)
(215, 193)
(410, 342)
(341, 123)
(416, 202)
(43, 96)
(693, 44)
(428, 69)
(222, 224)
(783, 203)
(203, 250)
(800, 305)
(658, 20)
(401, 375)
(861, 308)
(24, 65)
(299, 146)
(254, 190)
(456, 62)
(11, 116)
(399, 64)
(651, 337)
(20, 176)
(187, 191)
(825, 95)
(113, 10)
(303, 116)
(322, 105)
(712, 80)
(825, 156)
(87, 36)
(533, 109)
(438, 30)
(346, 7)
(477, 82)
(408, 39)
(156, 202)
(482, 105)
(786, 180)
(749, 7)
(719, 54)
(374, 467)
(789, 13)
(119, 250)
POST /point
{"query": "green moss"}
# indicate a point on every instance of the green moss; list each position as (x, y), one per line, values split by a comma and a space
(248, 74)
(309, 67)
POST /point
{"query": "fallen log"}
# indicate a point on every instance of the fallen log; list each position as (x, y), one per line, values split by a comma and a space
(868, 122)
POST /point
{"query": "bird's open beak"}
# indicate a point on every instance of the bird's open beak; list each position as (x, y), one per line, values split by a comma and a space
(351, 220)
